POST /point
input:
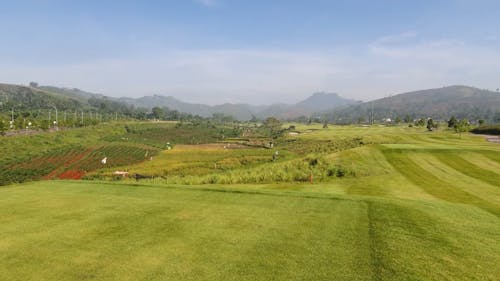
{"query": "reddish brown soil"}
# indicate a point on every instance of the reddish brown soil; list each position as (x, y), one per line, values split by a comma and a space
(68, 163)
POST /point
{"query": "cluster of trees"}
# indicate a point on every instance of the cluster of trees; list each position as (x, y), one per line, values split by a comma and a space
(164, 113)
(460, 126)
(273, 126)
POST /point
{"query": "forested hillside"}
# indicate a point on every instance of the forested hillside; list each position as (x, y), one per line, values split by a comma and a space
(441, 104)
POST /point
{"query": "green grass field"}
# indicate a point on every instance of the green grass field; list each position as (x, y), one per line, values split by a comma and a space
(418, 206)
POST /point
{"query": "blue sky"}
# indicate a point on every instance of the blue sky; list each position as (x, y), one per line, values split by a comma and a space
(215, 51)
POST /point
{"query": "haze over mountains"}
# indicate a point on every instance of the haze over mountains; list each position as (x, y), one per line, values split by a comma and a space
(72, 98)
(315, 103)
(439, 103)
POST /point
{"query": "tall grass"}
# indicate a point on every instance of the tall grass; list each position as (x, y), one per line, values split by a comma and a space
(313, 168)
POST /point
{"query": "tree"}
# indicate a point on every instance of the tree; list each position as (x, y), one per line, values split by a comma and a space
(420, 122)
(158, 112)
(407, 118)
(227, 119)
(481, 122)
(274, 126)
(3, 127)
(462, 126)
(398, 120)
(44, 124)
(272, 122)
(33, 84)
(217, 117)
(430, 124)
(452, 122)
(325, 124)
(301, 119)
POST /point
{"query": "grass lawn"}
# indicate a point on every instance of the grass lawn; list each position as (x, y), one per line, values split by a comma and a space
(417, 206)
(103, 231)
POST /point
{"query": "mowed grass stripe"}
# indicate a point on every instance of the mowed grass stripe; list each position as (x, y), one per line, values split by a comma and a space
(492, 156)
(99, 231)
(432, 241)
(109, 232)
(458, 163)
(474, 186)
(479, 159)
(433, 185)
(395, 231)
(329, 235)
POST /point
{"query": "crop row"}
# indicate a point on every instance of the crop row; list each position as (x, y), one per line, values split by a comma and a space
(159, 134)
(302, 146)
(114, 155)
(72, 162)
(20, 170)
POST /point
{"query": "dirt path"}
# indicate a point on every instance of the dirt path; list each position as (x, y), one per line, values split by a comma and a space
(209, 146)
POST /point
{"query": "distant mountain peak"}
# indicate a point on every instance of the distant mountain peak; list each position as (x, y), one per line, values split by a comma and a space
(320, 101)
(323, 94)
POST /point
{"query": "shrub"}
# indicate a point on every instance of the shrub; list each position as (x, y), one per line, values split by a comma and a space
(490, 130)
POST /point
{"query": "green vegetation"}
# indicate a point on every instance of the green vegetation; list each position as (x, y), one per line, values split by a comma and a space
(490, 130)
(36, 108)
(74, 153)
(462, 126)
(158, 134)
(385, 203)
(463, 102)
(103, 231)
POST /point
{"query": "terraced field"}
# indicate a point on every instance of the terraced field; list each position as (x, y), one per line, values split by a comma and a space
(416, 205)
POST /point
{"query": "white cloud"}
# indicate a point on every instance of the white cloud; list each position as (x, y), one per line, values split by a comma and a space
(211, 76)
(262, 76)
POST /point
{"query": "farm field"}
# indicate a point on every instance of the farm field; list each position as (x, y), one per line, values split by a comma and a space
(71, 154)
(409, 205)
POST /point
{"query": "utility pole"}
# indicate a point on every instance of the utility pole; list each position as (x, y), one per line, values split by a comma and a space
(57, 120)
(372, 114)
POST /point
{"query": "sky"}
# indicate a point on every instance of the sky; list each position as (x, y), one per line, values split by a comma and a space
(257, 52)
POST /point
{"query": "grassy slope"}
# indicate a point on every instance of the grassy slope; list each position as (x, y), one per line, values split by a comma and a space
(424, 206)
(78, 231)
(143, 233)
(193, 160)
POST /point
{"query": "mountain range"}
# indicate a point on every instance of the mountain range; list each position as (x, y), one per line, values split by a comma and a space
(439, 103)
(315, 103)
